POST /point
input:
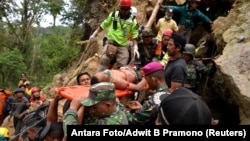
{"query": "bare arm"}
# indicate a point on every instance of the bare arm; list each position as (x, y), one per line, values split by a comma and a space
(80, 114)
(122, 84)
(140, 86)
(98, 30)
(52, 112)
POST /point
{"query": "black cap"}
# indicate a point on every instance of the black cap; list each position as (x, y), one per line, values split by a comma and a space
(183, 107)
(18, 90)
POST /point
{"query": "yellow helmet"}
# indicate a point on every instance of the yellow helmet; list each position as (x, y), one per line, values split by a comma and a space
(4, 132)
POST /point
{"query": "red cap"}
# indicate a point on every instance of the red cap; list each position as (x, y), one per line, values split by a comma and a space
(35, 89)
(152, 67)
(167, 32)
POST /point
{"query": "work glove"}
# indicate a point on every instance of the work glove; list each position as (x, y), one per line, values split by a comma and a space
(136, 52)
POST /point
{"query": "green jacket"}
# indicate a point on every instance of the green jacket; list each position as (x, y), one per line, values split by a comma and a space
(123, 28)
(188, 17)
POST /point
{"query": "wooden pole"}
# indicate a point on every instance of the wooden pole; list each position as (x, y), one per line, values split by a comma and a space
(154, 14)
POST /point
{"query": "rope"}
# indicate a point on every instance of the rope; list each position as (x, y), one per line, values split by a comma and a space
(25, 129)
(20, 103)
(214, 50)
(204, 90)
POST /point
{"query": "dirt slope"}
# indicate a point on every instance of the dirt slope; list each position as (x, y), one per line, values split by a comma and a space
(232, 78)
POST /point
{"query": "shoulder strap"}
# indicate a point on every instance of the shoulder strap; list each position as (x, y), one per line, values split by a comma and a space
(114, 20)
(113, 13)
(133, 17)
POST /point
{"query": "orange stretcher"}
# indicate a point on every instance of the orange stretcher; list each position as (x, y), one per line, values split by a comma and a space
(70, 92)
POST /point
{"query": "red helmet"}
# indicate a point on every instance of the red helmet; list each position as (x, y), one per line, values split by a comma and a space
(35, 89)
(125, 3)
(167, 32)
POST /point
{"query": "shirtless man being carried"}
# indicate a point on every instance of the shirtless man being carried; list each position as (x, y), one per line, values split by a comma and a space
(125, 78)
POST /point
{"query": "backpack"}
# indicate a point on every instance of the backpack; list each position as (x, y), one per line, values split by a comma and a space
(115, 14)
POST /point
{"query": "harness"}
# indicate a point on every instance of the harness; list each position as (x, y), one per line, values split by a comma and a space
(115, 15)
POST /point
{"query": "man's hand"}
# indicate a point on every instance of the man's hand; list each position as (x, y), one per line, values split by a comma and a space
(75, 104)
(134, 105)
(20, 116)
(58, 97)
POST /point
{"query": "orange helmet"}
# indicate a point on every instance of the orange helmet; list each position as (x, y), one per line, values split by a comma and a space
(167, 32)
(125, 3)
(35, 89)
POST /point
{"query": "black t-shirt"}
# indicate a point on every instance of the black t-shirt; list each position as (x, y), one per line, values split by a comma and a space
(176, 71)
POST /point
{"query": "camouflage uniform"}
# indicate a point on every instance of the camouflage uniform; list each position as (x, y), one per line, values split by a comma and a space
(143, 49)
(147, 51)
(99, 92)
(195, 69)
(148, 113)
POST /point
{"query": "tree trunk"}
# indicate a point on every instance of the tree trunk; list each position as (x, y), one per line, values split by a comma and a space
(154, 14)
(54, 20)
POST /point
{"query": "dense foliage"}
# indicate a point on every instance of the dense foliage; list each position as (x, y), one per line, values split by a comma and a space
(26, 47)
(48, 55)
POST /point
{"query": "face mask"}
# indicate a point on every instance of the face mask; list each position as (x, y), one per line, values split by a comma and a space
(168, 18)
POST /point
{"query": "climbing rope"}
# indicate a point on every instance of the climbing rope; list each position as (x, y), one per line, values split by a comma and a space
(24, 130)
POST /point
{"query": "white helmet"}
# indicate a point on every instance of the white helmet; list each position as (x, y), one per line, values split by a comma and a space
(133, 11)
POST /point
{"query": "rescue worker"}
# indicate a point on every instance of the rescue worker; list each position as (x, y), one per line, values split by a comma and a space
(120, 24)
(4, 95)
(189, 12)
(195, 68)
(175, 70)
(22, 80)
(133, 11)
(36, 99)
(166, 22)
(102, 106)
(83, 79)
(19, 110)
(164, 43)
(146, 48)
(147, 113)
(28, 87)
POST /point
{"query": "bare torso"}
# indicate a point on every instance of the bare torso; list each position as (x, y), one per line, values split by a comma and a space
(124, 78)
(125, 74)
